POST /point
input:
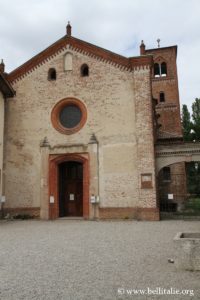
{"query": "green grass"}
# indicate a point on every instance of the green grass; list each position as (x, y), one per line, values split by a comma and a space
(193, 204)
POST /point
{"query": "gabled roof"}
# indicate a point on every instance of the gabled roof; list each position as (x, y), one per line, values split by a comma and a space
(80, 46)
(5, 86)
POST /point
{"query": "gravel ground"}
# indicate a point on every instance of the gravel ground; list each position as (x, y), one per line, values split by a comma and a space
(83, 260)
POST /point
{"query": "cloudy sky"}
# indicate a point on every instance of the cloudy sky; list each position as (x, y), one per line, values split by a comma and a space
(29, 26)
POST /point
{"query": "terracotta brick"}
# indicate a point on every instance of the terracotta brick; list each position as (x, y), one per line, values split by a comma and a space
(117, 98)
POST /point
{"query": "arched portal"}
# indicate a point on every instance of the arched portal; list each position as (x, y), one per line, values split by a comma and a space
(178, 189)
(68, 186)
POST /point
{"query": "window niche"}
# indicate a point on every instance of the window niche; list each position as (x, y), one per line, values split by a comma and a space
(156, 70)
(162, 97)
(68, 61)
(160, 69)
(52, 74)
(84, 70)
(163, 69)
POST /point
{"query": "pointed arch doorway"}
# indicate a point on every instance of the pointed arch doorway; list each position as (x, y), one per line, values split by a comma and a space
(69, 186)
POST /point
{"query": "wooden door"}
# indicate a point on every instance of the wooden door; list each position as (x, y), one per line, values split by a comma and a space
(71, 189)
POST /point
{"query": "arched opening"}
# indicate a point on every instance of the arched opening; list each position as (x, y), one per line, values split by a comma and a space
(52, 74)
(69, 185)
(172, 188)
(179, 189)
(84, 70)
(163, 69)
(70, 189)
(162, 97)
(156, 70)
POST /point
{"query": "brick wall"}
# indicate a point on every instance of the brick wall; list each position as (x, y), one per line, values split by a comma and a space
(170, 109)
(118, 103)
(1, 140)
(144, 136)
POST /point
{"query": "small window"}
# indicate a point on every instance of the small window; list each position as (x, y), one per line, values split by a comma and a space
(166, 174)
(163, 69)
(156, 70)
(84, 70)
(162, 97)
(52, 74)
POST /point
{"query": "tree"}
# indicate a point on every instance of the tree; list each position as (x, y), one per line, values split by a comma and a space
(186, 124)
(196, 118)
(191, 132)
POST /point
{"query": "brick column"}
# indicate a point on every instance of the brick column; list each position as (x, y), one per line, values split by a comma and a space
(44, 177)
(93, 148)
(147, 204)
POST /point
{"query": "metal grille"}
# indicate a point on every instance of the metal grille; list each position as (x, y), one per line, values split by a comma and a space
(179, 193)
(172, 195)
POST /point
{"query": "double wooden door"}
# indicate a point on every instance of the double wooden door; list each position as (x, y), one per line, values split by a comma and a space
(71, 189)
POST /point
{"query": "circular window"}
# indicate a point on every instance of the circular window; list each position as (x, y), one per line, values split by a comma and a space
(69, 115)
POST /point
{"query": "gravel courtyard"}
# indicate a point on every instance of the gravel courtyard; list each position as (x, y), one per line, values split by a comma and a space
(83, 260)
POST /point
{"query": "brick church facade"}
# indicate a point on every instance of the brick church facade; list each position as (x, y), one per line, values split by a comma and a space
(78, 131)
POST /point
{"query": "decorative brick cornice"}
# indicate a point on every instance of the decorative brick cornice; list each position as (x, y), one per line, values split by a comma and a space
(166, 105)
(69, 42)
(178, 149)
(141, 61)
(183, 152)
(167, 78)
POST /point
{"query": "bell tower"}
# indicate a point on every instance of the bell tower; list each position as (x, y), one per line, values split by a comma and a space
(165, 91)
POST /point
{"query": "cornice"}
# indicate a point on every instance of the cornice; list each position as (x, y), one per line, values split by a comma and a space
(167, 78)
(177, 149)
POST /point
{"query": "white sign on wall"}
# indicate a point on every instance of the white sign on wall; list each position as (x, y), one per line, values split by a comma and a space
(71, 197)
(51, 199)
(3, 199)
(170, 196)
(93, 199)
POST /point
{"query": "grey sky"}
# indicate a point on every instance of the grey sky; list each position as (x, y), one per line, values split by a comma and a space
(29, 26)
